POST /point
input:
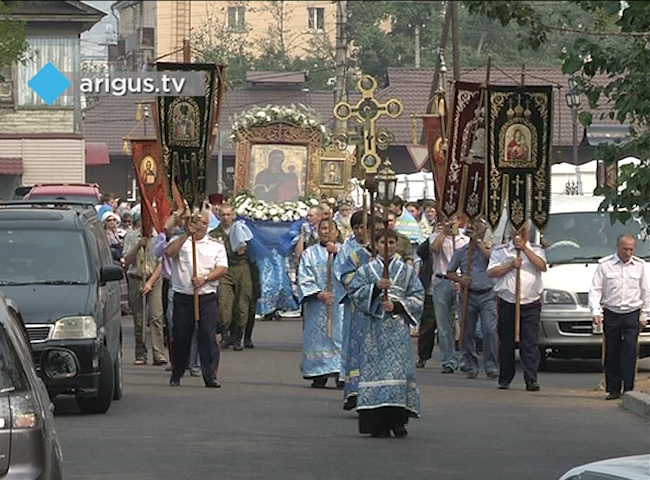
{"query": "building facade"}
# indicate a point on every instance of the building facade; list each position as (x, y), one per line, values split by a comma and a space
(156, 30)
(39, 142)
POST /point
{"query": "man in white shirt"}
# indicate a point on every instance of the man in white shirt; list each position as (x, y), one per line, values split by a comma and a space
(503, 265)
(211, 265)
(618, 294)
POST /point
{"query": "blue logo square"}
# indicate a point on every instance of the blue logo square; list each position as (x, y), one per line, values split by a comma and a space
(49, 83)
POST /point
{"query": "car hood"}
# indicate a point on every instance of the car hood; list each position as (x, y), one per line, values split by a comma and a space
(46, 303)
(570, 277)
(632, 468)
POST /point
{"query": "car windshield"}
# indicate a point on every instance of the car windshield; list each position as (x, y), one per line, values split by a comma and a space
(65, 196)
(30, 256)
(12, 375)
(587, 236)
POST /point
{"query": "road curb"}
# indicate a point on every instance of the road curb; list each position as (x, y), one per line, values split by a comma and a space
(638, 403)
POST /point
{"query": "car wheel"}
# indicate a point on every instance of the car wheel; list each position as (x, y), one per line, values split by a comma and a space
(118, 389)
(543, 360)
(101, 402)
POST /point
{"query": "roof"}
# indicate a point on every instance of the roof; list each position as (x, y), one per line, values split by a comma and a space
(97, 154)
(412, 86)
(67, 11)
(11, 166)
(276, 77)
(111, 118)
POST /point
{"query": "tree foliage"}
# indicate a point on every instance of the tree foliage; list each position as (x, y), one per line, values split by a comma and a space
(13, 42)
(616, 49)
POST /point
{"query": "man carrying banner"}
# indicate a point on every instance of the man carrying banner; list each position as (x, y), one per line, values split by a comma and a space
(481, 300)
(529, 259)
(211, 265)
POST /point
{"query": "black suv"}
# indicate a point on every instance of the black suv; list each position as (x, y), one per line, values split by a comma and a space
(56, 264)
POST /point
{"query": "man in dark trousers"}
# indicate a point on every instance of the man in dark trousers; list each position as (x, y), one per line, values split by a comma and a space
(530, 260)
(618, 294)
(211, 265)
(427, 329)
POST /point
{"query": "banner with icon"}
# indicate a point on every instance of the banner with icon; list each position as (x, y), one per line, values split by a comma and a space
(519, 126)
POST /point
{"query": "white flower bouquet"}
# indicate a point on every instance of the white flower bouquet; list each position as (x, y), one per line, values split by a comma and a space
(300, 116)
(247, 206)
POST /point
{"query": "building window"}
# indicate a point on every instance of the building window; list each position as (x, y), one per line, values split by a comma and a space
(6, 86)
(236, 18)
(316, 18)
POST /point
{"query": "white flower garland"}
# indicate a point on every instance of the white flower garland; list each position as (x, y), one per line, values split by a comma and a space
(300, 116)
(246, 205)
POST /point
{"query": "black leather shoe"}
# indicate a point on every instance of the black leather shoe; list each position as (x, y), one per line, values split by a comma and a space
(175, 382)
(532, 387)
(385, 434)
(248, 344)
(420, 363)
(214, 384)
(350, 403)
(319, 383)
(400, 431)
(504, 386)
(613, 396)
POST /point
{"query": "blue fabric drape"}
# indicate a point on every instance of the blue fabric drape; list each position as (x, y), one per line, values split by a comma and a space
(265, 249)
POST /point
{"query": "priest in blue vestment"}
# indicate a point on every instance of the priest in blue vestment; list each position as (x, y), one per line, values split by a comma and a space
(354, 253)
(387, 394)
(321, 352)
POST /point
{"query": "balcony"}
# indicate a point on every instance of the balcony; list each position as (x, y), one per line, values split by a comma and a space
(143, 39)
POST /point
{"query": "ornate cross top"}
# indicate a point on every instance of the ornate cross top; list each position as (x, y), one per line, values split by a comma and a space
(366, 111)
(517, 182)
(540, 200)
(476, 178)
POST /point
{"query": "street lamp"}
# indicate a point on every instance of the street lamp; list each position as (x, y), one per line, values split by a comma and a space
(573, 102)
(386, 185)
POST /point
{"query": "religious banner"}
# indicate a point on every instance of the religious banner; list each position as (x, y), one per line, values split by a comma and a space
(464, 178)
(185, 127)
(152, 183)
(433, 126)
(519, 145)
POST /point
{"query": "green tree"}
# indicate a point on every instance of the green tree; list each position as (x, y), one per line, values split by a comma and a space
(615, 47)
(13, 42)
(214, 42)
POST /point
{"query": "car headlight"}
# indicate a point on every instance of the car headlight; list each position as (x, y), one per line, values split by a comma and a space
(557, 297)
(81, 326)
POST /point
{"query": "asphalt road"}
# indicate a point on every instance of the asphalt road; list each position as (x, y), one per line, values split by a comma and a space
(265, 422)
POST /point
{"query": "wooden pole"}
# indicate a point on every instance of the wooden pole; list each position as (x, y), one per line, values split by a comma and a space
(330, 256)
(372, 187)
(518, 300)
(143, 272)
(386, 272)
(463, 308)
(195, 271)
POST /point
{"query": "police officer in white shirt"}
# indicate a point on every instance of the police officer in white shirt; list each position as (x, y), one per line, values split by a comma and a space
(211, 265)
(503, 266)
(618, 294)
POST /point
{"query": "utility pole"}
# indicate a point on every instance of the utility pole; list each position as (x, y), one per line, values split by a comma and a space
(341, 55)
(187, 51)
(417, 43)
(455, 40)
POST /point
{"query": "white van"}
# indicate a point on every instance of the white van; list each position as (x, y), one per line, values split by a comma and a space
(576, 237)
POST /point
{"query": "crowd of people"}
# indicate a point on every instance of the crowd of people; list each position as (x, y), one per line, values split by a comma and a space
(195, 286)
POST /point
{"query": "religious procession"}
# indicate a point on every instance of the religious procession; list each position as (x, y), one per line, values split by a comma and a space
(378, 283)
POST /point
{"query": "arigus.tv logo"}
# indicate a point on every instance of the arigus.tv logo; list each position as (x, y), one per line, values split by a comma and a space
(49, 83)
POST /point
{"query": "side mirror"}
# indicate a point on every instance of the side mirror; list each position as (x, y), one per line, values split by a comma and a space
(59, 363)
(110, 273)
